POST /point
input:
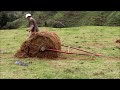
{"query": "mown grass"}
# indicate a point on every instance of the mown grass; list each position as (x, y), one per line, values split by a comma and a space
(97, 39)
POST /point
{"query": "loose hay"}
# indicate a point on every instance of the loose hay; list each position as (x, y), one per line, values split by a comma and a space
(32, 46)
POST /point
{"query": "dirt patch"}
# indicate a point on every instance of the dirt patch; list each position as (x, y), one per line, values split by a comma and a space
(117, 41)
(32, 46)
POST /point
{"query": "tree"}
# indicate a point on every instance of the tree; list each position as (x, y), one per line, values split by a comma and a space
(3, 19)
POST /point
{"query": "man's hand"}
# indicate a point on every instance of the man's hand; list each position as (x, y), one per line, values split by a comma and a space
(28, 30)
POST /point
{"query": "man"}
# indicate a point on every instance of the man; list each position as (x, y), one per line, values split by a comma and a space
(32, 24)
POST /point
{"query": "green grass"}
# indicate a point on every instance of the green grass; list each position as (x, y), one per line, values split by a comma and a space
(98, 39)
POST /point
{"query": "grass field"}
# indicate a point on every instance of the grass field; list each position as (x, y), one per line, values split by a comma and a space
(97, 39)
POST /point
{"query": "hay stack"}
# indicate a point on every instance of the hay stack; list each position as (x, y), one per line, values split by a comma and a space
(32, 46)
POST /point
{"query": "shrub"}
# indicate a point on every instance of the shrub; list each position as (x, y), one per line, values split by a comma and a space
(12, 25)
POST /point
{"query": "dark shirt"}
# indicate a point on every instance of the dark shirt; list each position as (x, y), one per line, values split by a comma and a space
(33, 25)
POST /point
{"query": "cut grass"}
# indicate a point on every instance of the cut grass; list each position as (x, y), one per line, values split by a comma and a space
(99, 39)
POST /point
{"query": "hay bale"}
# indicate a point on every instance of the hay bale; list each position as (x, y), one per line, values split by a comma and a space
(32, 46)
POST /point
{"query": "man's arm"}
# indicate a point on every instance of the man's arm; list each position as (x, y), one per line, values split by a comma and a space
(31, 27)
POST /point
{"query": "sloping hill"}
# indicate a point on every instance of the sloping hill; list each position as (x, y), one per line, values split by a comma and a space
(61, 18)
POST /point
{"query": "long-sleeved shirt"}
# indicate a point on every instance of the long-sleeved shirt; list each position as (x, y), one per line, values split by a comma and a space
(33, 25)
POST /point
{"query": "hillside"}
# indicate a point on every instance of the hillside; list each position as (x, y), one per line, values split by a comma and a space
(15, 19)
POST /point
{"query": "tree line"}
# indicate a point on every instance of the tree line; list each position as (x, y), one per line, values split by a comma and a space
(60, 19)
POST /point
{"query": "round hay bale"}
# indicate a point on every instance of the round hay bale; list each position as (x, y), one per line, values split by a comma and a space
(32, 46)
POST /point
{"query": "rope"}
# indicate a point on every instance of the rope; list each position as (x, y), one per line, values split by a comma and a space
(93, 54)
(82, 50)
(60, 51)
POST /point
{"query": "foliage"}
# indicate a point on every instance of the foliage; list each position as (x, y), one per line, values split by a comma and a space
(60, 19)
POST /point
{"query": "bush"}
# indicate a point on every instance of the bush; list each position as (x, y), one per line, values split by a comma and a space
(113, 19)
(58, 15)
(55, 24)
(12, 25)
(58, 24)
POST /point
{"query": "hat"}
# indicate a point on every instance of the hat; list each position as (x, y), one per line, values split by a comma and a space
(27, 15)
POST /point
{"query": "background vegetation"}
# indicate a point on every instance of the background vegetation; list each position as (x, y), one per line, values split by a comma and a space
(59, 19)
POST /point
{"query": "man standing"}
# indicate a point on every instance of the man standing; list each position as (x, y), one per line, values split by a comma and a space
(32, 24)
